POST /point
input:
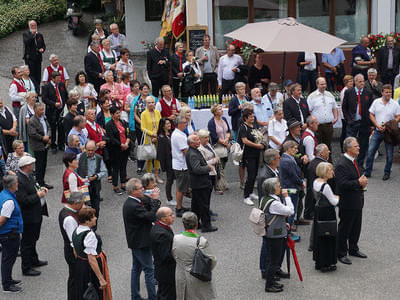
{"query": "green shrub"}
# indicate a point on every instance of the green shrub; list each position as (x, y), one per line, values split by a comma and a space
(14, 14)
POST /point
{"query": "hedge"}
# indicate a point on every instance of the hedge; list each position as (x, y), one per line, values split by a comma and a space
(14, 14)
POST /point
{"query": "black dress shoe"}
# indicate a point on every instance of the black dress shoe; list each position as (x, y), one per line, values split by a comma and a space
(31, 272)
(41, 263)
(48, 186)
(213, 213)
(209, 229)
(358, 254)
(385, 177)
(345, 260)
(282, 274)
(277, 285)
(15, 281)
(273, 289)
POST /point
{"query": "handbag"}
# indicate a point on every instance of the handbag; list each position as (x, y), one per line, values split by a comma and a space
(221, 150)
(146, 152)
(84, 189)
(257, 219)
(90, 293)
(201, 264)
(325, 227)
(236, 152)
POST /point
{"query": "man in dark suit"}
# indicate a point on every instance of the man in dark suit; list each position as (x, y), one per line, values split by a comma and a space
(34, 47)
(162, 236)
(350, 187)
(39, 140)
(388, 61)
(290, 174)
(158, 66)
(54, 95)
(268, 170)
(200, 183)
(374, 86)
(94, 66)
(139, 213)
(355, 107)
(296, 107)
(30, 198)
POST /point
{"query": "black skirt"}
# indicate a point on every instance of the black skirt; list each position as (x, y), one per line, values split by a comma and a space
(324, 249)
(83, 275)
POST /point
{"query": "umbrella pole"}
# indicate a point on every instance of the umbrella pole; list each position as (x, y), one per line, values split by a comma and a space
(287, 258)
(283, 71)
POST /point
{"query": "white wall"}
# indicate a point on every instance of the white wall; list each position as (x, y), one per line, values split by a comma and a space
(137, 29)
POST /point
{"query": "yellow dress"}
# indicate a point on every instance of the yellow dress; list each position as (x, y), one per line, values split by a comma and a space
(149, 126)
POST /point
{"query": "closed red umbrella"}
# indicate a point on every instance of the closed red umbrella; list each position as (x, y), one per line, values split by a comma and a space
(290, 243)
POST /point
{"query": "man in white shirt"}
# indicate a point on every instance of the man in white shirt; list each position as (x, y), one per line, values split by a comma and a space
(227, 68)
(310, 141)
(382, 110)
(55, 67)
(17, 90)
(179, 147)
(322, 105)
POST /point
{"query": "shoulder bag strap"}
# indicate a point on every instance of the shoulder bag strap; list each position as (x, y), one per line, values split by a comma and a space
(198, 242)
(320, 194)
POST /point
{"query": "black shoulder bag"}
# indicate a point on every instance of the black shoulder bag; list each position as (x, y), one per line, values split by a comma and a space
(201, 264)
(324, 228)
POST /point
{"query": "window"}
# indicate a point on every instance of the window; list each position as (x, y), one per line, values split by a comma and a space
(153, 10)
(268, 10)
(351, 19)
(229, 15)
(314, 13)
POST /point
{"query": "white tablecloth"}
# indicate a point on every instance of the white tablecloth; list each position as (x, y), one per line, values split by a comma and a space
(201, 117)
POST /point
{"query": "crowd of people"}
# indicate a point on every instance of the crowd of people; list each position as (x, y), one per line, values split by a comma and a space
(282, 140)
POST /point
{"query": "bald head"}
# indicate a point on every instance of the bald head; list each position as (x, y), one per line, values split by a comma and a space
(256, 94)
(194, 141)
(165, 215)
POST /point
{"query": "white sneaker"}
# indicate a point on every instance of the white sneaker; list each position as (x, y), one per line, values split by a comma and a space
(254, 197)
(248, 201)
(172, 202)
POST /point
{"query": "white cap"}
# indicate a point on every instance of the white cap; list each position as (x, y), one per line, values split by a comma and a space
(25, 160)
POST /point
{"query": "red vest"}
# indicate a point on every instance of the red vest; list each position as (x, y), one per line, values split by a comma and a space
(20, 89)
(306, 133)
(60, 70)
(166, 110)
(66, 184)
(95, 135)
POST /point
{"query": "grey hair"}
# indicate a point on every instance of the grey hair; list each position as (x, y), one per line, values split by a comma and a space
(71, 138)
(269, 184)
(289, 144)
(320, 148)
(162, 212)
(372, 71)
(310, 119)
(148, 178)
(270, 155)
(52, 56)
(111, 25)
(31, 21)
(9, 180)
(16, 143)
(23, 67)
(29, 94)
(75, 198)
(359, 75)
(239, 85)
(203, 133)
(189, 220)
(98, 21)
(73, 93)
(277, 109)
(158, 39)
(179, 119)
(132, 184)
(190, 138)
(94, 43)
(37, 105)
(347, 143)
(108, 72)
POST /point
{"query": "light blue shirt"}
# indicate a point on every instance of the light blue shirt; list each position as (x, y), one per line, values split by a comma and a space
(263, 111)
(333, 59)
(43, 122)
(83, 137)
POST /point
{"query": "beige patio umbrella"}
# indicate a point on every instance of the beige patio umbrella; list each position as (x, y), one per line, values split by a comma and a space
(286, 35)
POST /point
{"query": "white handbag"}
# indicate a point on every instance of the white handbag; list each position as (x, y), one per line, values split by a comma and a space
(146, 152)
(236, 152)
(220, 150)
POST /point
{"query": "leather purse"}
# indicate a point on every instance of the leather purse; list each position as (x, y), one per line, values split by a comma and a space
(90, 293)
(146, 152)
(326, 228)
(201, 264)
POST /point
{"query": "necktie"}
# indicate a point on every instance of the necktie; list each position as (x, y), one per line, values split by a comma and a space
(359, 102)
(101, 62)
(58, 95)
(358, 171)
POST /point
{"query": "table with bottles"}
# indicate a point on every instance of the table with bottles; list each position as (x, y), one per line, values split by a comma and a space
(201, 112)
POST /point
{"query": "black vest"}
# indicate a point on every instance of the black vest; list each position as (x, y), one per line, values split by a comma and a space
(68, 251)
(78, 239)
(83, 165)
(7, 122)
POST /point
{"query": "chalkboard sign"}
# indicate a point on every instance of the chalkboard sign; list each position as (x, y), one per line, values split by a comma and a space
(194, 36)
